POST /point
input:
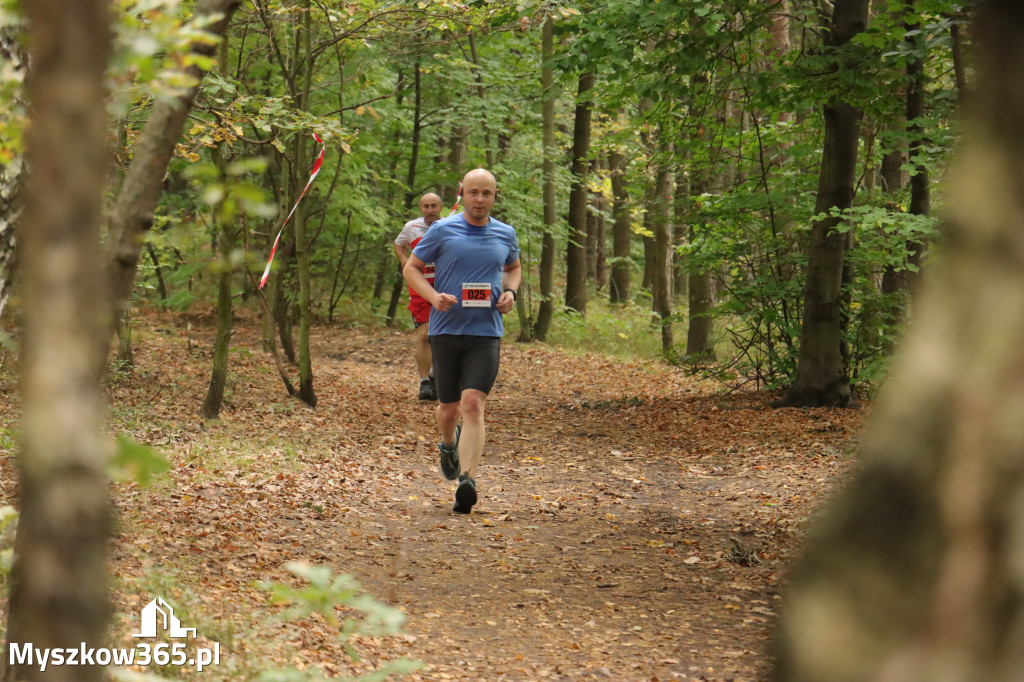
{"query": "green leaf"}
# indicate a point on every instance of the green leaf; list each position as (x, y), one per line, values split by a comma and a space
(133, 460)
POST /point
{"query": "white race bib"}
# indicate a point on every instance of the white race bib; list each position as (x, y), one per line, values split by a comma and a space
(476, 295)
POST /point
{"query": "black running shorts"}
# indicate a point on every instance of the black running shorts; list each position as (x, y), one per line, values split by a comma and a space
(462, 361)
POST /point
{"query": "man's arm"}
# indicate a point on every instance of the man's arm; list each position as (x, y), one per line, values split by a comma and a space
(413, 273)
(511, 278)
(403, 255)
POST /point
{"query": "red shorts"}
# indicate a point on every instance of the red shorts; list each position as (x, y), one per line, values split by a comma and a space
(419, 307)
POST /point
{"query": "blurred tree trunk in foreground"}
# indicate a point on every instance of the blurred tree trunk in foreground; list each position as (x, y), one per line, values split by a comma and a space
(58, 595)
(916, 571)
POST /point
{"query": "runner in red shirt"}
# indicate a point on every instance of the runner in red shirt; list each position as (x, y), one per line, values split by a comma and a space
(412, 232)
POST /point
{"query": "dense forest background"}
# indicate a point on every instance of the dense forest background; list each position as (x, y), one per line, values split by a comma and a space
(667, 165)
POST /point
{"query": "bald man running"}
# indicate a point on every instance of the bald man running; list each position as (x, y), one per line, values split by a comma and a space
(477, 274)
(430, 211)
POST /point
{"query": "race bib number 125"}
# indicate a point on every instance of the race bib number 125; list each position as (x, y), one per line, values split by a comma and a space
(476, 295)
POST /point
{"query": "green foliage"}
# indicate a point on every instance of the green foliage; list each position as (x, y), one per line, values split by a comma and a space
(8, 525)
(624, 331)
(759, 255)
(323, 594)
(742, 109)
(884, 239)
(12, 79)
(152, 51)
(135, 461)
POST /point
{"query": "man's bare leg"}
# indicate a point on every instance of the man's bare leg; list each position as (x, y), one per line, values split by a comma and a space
(422, 350)
(471, 442)
(447, 418)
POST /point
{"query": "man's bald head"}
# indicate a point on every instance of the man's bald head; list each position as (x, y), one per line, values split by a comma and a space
(479, 175)
(478, 190)
(430, 207)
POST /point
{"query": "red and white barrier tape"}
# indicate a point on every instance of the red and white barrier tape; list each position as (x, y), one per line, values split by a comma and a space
(458, 198)
(312, 176)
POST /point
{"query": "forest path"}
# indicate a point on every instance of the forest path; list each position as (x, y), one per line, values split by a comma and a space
(628, 528)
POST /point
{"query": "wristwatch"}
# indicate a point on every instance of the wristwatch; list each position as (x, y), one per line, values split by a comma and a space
(513, 293)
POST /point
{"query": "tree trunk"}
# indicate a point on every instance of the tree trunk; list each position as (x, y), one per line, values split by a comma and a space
(662, 253)
(700, 289)
(398, 284)
(133, 209)
(482, 93)
(622, 230)
(700, 285)
(680, 233)
(920, 192)
(306, 392)
(385, 262)
(125, 355)
(601, 238)
(522, 312)
(821, 378)
(700, 303)
(547, 254)
(893, 181)
(914, 571)
(959, 71)
(591, 222)
(283, 304)
(58, 596)
(218, 375)
(161, 284)
(576, 253)
(11, 193)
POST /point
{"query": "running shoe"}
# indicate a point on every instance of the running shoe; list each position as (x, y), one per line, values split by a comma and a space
(465, 495)
(427, 390)
(450, 456)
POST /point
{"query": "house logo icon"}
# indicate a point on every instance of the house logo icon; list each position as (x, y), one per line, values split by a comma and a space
(158, 611)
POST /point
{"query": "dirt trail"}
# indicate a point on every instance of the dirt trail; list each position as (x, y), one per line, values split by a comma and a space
(628, 528)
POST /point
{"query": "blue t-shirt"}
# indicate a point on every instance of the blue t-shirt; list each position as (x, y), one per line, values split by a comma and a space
(468, 263)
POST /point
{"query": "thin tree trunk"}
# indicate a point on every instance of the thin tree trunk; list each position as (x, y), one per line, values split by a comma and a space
(601, 238)
(591, 223)
(920, 191)
(700, 290)
(59, 584)
(218, 375)
(913, 572)
(959, 70)
(700, 284)
(662, 253)
(893, 180)
(648, 143)
(283, 304)
(480, 92)
(576, 254)
(547, 255)
(700, 325)
(11, 191)
(306, 392)
(398, 285)
(525, 323)
(219, 372)
(161, 284)
(821, 378)
(680, 233)
(622, 230)
(125, 355)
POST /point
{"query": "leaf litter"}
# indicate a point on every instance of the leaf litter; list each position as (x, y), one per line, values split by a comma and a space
(633, 523)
